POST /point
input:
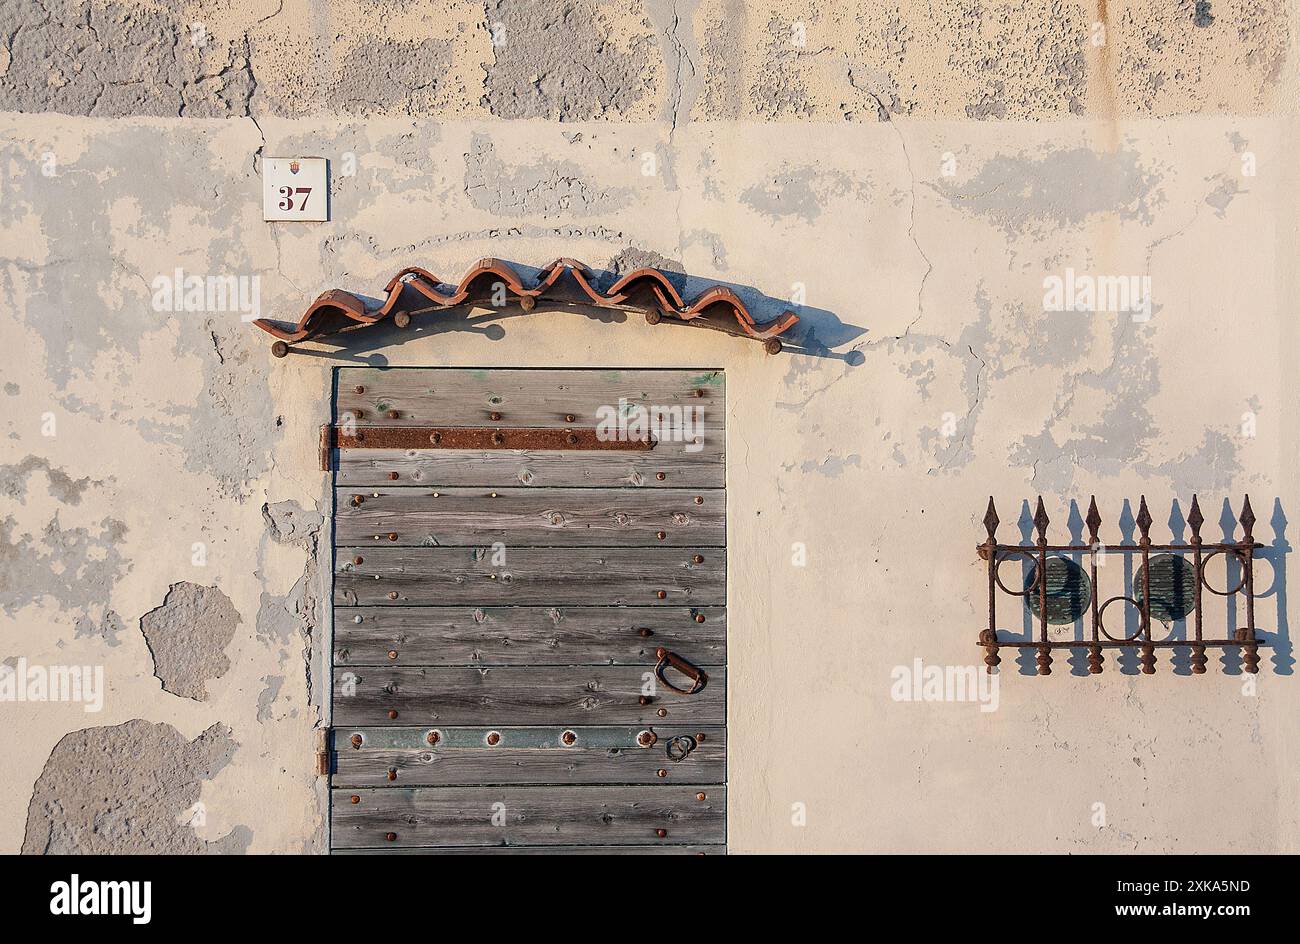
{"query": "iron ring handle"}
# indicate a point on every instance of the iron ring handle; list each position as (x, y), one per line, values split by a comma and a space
(697, 675)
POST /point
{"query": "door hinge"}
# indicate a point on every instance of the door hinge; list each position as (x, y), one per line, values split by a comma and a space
(323, 752)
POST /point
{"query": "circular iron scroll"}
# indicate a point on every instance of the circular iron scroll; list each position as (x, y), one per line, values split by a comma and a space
(1208, 557)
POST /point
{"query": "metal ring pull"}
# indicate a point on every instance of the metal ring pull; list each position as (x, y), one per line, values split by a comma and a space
(697, 675)
(680, 746)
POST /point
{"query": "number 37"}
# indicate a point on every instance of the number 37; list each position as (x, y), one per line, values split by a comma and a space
(288, 193)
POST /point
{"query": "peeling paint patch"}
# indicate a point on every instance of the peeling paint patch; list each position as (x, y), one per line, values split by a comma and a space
(76, 567)
(64, 488)
(271, 691)
(548, 189)
(187, 637)
(288, 523)
(128, 789)
(797, 192)
(556, 59)
(392, 77)
(115, 59)
(1019, 193)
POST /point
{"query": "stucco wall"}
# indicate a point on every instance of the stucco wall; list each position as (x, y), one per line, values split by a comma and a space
(918, 169)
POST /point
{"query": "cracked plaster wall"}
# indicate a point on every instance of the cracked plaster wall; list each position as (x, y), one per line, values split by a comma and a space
(948, 158)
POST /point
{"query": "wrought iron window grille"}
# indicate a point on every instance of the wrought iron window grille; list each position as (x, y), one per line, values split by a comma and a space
(1160, 590)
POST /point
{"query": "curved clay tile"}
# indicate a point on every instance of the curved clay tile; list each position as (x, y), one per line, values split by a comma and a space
(336, 310)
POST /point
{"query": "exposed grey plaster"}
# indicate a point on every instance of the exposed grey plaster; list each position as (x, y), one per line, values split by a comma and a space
(391, 76)
(75, 567)
(554, 59)
(555, 188)
(799, 192)
(64, 488)
(110, 625)
(1020, 192)
(779, 91)
(673, 20)
(268, 695)
(1223, 194)
(12, 389)
(117, 59)
(288, 523)
(128, 789)
(832, 466)
(723, 94)
(284, 620)
(81, 275)
(187, 636)
(712, 242)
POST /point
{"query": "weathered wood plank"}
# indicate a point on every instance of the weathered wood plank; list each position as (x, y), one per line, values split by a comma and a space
(453, 396)
(528, 815)
(504, 468)
(417, 635)
(555, 576)
(397, 757)
(520, 695)
(560, 517)
(666, 849)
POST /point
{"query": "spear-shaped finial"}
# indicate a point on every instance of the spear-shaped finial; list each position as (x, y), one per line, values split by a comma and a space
(1144, 519)
(1041, 521)
(991, 521)
(1247, 520)
(1093, 520)
(1196, 519)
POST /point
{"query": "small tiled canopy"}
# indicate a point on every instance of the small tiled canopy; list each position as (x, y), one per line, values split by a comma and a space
(647, 290)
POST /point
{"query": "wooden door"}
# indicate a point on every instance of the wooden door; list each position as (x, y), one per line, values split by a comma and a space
(529, 611)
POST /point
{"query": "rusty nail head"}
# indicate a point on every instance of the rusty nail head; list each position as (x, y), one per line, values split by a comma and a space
(646, 738)
(698, 558)
(569, 417)
(661, 535)
(358, 559)
(433, 737)
(645, 632)
(392, 476)
(392, 773)
(662, 772)
(393, 414)
(699, 391)
(662, 712)
(699, 617)
(699, 796)
(392, 653)
(392, 535)
(392, 594)
(661, 475)
(643, 700)
(699, 500)
(571, 439)
(568, 737)
(662, 594)
(661, 833)
(355, 798)
(392, 713)
(356, 740)
(435, 438)
(495, 416)
(359, 389)
(391, 837)
(357, 499)
(493, 738)
(498, 439)
(699, 737)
